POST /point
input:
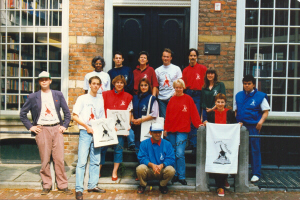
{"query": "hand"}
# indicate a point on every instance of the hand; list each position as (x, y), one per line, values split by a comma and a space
(165, 133)
(205, 122)
(209, 109)
(258, 126)
(156, 169)
(90, 130)
(35, 129)
(116, 129)
(62, 129)
(241, 124)
(201, 125)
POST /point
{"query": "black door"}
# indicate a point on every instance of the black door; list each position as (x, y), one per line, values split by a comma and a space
(151, 29)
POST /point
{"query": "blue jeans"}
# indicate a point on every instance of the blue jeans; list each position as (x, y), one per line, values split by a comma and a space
(130, 138)
(118, 151)
(86, 146)
(196, 96)
(204, 115)
(178, 141)
(163, 107)
(255, 155)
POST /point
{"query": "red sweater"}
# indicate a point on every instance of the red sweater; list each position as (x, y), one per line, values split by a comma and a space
(181, 111)
(116, 101)
(194, 76)
(148, 73)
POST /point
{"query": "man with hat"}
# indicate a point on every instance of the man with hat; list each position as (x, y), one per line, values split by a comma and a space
(156, 157)
(48, 128)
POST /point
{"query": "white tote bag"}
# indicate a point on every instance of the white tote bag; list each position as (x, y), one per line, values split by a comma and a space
(145, 126)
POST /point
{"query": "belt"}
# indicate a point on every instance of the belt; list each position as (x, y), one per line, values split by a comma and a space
(49, 124)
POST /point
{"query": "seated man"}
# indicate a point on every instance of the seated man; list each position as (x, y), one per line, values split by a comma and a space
(157, 158)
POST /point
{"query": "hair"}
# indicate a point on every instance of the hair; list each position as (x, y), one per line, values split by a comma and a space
(197, 52)
(119, 78)
(149, 85)
(210, 70)
(144, 53)
(95, 77)
(119, 53)
(168, 51)
(95, 59)
(248, 78)
(220, 96)
(179, 81)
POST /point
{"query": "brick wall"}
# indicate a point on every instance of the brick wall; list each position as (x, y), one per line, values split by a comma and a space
(219, 27)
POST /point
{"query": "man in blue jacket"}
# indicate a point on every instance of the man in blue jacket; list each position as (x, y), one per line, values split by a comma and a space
(156, 157)
(252, 109)
(48, 128)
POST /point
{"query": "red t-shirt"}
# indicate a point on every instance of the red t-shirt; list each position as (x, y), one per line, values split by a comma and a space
(148, 73)
(181, 111)
(116, 101)
(194, 76)
(221, 117)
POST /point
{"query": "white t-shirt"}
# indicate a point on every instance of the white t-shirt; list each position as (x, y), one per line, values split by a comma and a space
(166, 75)
(48, 113)
(89, 108)
(105, 79)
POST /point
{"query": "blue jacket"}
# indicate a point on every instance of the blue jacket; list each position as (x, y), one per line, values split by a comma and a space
(33, 104)
(140, 107)
(156, 154)
(248, 106)
(127, 73)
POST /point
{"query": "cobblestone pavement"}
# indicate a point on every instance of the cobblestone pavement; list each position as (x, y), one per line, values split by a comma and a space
(154, 194)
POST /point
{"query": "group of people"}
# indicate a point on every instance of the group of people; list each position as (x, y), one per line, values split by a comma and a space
(179, 97)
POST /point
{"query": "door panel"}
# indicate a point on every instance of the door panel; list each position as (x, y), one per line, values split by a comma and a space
(151, 29)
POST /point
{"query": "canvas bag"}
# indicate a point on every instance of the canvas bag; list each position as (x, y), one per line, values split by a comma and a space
(145, 126)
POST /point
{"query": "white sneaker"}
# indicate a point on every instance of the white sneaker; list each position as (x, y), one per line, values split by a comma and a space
(254, 179)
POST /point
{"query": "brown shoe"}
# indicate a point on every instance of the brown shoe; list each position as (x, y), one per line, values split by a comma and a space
(79, 195)
(65, 191)
(45, 191)
(96, 189)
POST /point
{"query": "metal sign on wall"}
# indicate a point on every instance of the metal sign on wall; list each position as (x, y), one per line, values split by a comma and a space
(212, 49)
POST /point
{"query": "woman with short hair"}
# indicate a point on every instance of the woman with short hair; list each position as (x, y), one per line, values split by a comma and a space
(181, 112)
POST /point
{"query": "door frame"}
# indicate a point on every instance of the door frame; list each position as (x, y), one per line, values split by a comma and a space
(108, 21)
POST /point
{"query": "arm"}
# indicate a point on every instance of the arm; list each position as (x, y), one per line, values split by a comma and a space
(262, 120)
(23, 113)
(66, 111)
(170, 156)
(194, 114)
(87, 127)
(143, 155)
(155, 91)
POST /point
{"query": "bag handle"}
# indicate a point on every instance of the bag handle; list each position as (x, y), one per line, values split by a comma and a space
(148, 110)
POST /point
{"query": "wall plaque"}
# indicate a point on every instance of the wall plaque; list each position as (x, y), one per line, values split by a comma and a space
(212, 49)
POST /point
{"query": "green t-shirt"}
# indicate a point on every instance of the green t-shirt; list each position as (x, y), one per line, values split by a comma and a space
(208, 96)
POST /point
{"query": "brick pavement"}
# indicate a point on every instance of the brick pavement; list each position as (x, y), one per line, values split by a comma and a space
(154, 194)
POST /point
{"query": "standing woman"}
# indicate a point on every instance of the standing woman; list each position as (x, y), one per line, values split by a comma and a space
(117, 99)
(221, 115)
(140, 108)
(211, 88)
(181, 112)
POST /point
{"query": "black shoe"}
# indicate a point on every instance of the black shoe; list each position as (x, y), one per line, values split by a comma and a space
(65, 191)
(45, 191)
(182, 181)
(79, 195)
(163, 189)
(141, 189)
(131, 148)
(96, 189)
(174, 179)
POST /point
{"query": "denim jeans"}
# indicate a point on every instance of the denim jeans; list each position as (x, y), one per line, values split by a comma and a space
(255, 155)
(130, 138)
(103, 152)
(118, 150)
(196, 96)
(204, 115)
(178, 141)
(86, 146)
(163, 107)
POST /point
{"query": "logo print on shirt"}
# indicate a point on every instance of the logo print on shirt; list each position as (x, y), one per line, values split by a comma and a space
(145, 76)
(48, 112)
(144, 108)
(126, 77)
(161, 157)
(92, 116)
(198, 76)
(253, 103)
(167, 81)
(101, 87)
(215, 92)
(184, 108)
(123, 103)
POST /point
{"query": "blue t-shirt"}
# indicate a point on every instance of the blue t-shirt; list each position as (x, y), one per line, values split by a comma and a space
(128, 75)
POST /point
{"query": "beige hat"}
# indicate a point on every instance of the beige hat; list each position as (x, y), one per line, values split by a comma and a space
(44, 74)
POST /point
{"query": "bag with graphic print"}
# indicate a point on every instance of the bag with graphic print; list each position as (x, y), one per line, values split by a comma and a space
(145, 126)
